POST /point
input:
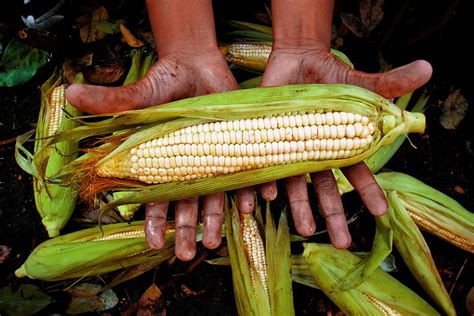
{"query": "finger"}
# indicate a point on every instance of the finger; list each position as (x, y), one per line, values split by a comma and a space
(186, 212)
(212, 220)
(299, 203)
(155, 224)
(395, 82)
(269, 190)
(332, 209)
(364, 182)
(162, 84)
(245, 200)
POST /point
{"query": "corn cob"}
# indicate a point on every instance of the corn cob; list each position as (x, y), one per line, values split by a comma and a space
(54, 202)
(93, 251)
(247, 55)
(380, 294)
(198, 138)
(254, 56)
(230, 146)
(254, 250)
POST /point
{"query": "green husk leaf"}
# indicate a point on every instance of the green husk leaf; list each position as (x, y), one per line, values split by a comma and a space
(328, 265)
(416, 253)
(278, 255)
(381, 248)
(134, 73)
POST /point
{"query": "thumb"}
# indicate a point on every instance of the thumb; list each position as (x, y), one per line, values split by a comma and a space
(157, 87)
(395, 82)
(98, 100)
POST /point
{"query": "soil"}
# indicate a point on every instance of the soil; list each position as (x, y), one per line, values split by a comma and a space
(434, 31)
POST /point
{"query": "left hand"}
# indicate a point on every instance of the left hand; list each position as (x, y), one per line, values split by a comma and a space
(313, 63)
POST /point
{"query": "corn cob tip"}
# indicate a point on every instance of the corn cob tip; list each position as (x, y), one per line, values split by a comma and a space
(21, 272)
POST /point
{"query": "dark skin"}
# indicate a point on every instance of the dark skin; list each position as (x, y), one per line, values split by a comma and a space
(190, 64)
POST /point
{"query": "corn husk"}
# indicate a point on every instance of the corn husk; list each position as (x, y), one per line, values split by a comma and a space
(54, 202)
(271, 295)
(94, 251)
(380, 294)
(416, 253)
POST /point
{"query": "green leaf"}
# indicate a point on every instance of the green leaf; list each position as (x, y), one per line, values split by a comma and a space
(20, 63)
(26, 301)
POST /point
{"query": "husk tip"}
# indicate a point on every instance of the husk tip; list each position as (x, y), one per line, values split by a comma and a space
(21, 272)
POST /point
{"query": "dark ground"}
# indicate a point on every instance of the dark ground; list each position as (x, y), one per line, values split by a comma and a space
(436, 31)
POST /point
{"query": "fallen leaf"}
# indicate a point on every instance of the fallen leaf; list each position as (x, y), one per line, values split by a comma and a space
(84, 289)
(371, 13)
(89, 33)
(84, 304)
(352, 23)
(86, 298)
(453, 110)
(28, 300)
(4, 253)
(20, 63)
(151, 303)
(129, 38)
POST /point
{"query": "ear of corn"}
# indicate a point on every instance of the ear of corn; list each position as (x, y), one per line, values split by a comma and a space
(324, 126)
(431, 210)
(55, 202)
(416, 253)
(91, 252)
(380, 294)
(260, 270)
(254, 45)
(254, 56)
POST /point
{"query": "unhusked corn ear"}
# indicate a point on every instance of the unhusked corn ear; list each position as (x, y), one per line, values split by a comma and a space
(432, 210)
(94, 251)
(229, 140)
(379, 294)
(224, 147)
(55, 202)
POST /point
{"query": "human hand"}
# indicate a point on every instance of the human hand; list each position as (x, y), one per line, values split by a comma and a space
(190, 64)
(301, 54)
